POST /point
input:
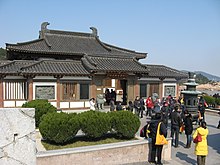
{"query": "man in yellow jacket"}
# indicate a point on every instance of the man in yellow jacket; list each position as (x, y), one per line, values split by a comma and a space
(201, 148)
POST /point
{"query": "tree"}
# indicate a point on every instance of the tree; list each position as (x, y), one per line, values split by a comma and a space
(200, 79)
(2, 54)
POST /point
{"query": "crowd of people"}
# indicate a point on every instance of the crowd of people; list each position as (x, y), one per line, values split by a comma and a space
(180, 119)
(161, 112)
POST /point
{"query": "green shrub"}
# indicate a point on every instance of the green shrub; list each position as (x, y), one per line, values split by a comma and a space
(125, 123)
(59, 127)
(94, 124)
(209, 100)
(217, 101)
(41, 107)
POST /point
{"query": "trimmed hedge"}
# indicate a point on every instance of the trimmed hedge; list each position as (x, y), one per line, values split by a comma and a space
(59, 127)
(41, 107)
(125, 123)
(94, 124)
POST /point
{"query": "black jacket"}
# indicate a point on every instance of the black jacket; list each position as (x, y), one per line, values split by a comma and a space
(188, 124)
(175, 119)
(153, 129)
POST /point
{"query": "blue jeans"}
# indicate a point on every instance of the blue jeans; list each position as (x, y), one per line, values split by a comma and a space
(175, 131)
(189, 139)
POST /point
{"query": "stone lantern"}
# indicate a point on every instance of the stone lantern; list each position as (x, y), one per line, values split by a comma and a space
(191, 96)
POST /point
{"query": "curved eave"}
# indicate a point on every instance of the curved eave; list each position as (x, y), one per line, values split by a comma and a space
(45, 52)
(53, 74)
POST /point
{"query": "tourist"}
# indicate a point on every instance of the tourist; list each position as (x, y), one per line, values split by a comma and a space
(142, 108)
(164, 111)
(175, 125)
(201, 109)
(201, 148)
(119, 106)
(107, 96)
(188, 127)
(130, 106)
(113, 95)
(156, 149)
(112, 104)
(137, 105)
(150, 106)
(100, 100)
(157, 105)
(92, 103)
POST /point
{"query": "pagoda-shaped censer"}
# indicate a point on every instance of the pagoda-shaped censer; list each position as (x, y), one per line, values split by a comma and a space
(191, 96)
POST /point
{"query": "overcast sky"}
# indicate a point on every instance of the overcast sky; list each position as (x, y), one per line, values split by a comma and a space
(182, 34)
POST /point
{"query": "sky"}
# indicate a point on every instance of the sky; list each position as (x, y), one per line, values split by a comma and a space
(181, 34)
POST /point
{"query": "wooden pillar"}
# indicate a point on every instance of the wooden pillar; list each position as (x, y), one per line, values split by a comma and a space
(1, 93)
(133, 88)
(93, 88)
(30, 88)
(177, 88)
(161, 87)
(136, 88)
(58, 92)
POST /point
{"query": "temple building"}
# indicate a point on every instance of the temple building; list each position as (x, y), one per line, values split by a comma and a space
(69, 68)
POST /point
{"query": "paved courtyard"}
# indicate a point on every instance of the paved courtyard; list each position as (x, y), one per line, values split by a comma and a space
(185, 156)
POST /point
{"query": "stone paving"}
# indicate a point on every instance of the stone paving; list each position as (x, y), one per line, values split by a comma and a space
(185, 156)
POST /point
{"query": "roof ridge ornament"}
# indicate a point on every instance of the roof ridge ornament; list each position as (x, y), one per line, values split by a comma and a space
(94, 31)
(43, 31)
(44, 26)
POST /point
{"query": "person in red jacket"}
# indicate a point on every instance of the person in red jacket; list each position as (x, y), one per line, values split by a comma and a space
(149, 105)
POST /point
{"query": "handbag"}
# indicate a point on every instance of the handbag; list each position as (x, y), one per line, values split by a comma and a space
(182, 128)
(197, 139)
(160, 139)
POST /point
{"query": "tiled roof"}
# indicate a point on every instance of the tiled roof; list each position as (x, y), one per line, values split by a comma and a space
(162, 71)
(13, 67)
(56, 67)
(72, 43)
(108, 64)
(44, 67)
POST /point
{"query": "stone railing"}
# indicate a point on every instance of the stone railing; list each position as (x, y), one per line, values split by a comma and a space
(108, 154)
(17, 137)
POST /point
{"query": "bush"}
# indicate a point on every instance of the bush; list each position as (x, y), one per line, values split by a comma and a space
(217, 101)
(41, 107)
(125, 123)
(59, 127)
(94, 124)
(209, 100)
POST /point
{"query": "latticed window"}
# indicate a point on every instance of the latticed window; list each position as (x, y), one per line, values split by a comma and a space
(84, 91)
(143, 90)
(154, 88)
(15, 90)
(69, 91)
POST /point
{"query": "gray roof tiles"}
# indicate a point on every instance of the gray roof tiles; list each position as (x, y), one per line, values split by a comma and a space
(44, 67)
(62, 42)
(164, 71)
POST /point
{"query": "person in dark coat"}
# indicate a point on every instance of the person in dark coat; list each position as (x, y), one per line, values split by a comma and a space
(130, 106)
(201, 109)
(142, 108)
(137, 105)
(112, 104)
(165, 115)
(176, 122)
(119, 106)
(156, 149)
(188, 127)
